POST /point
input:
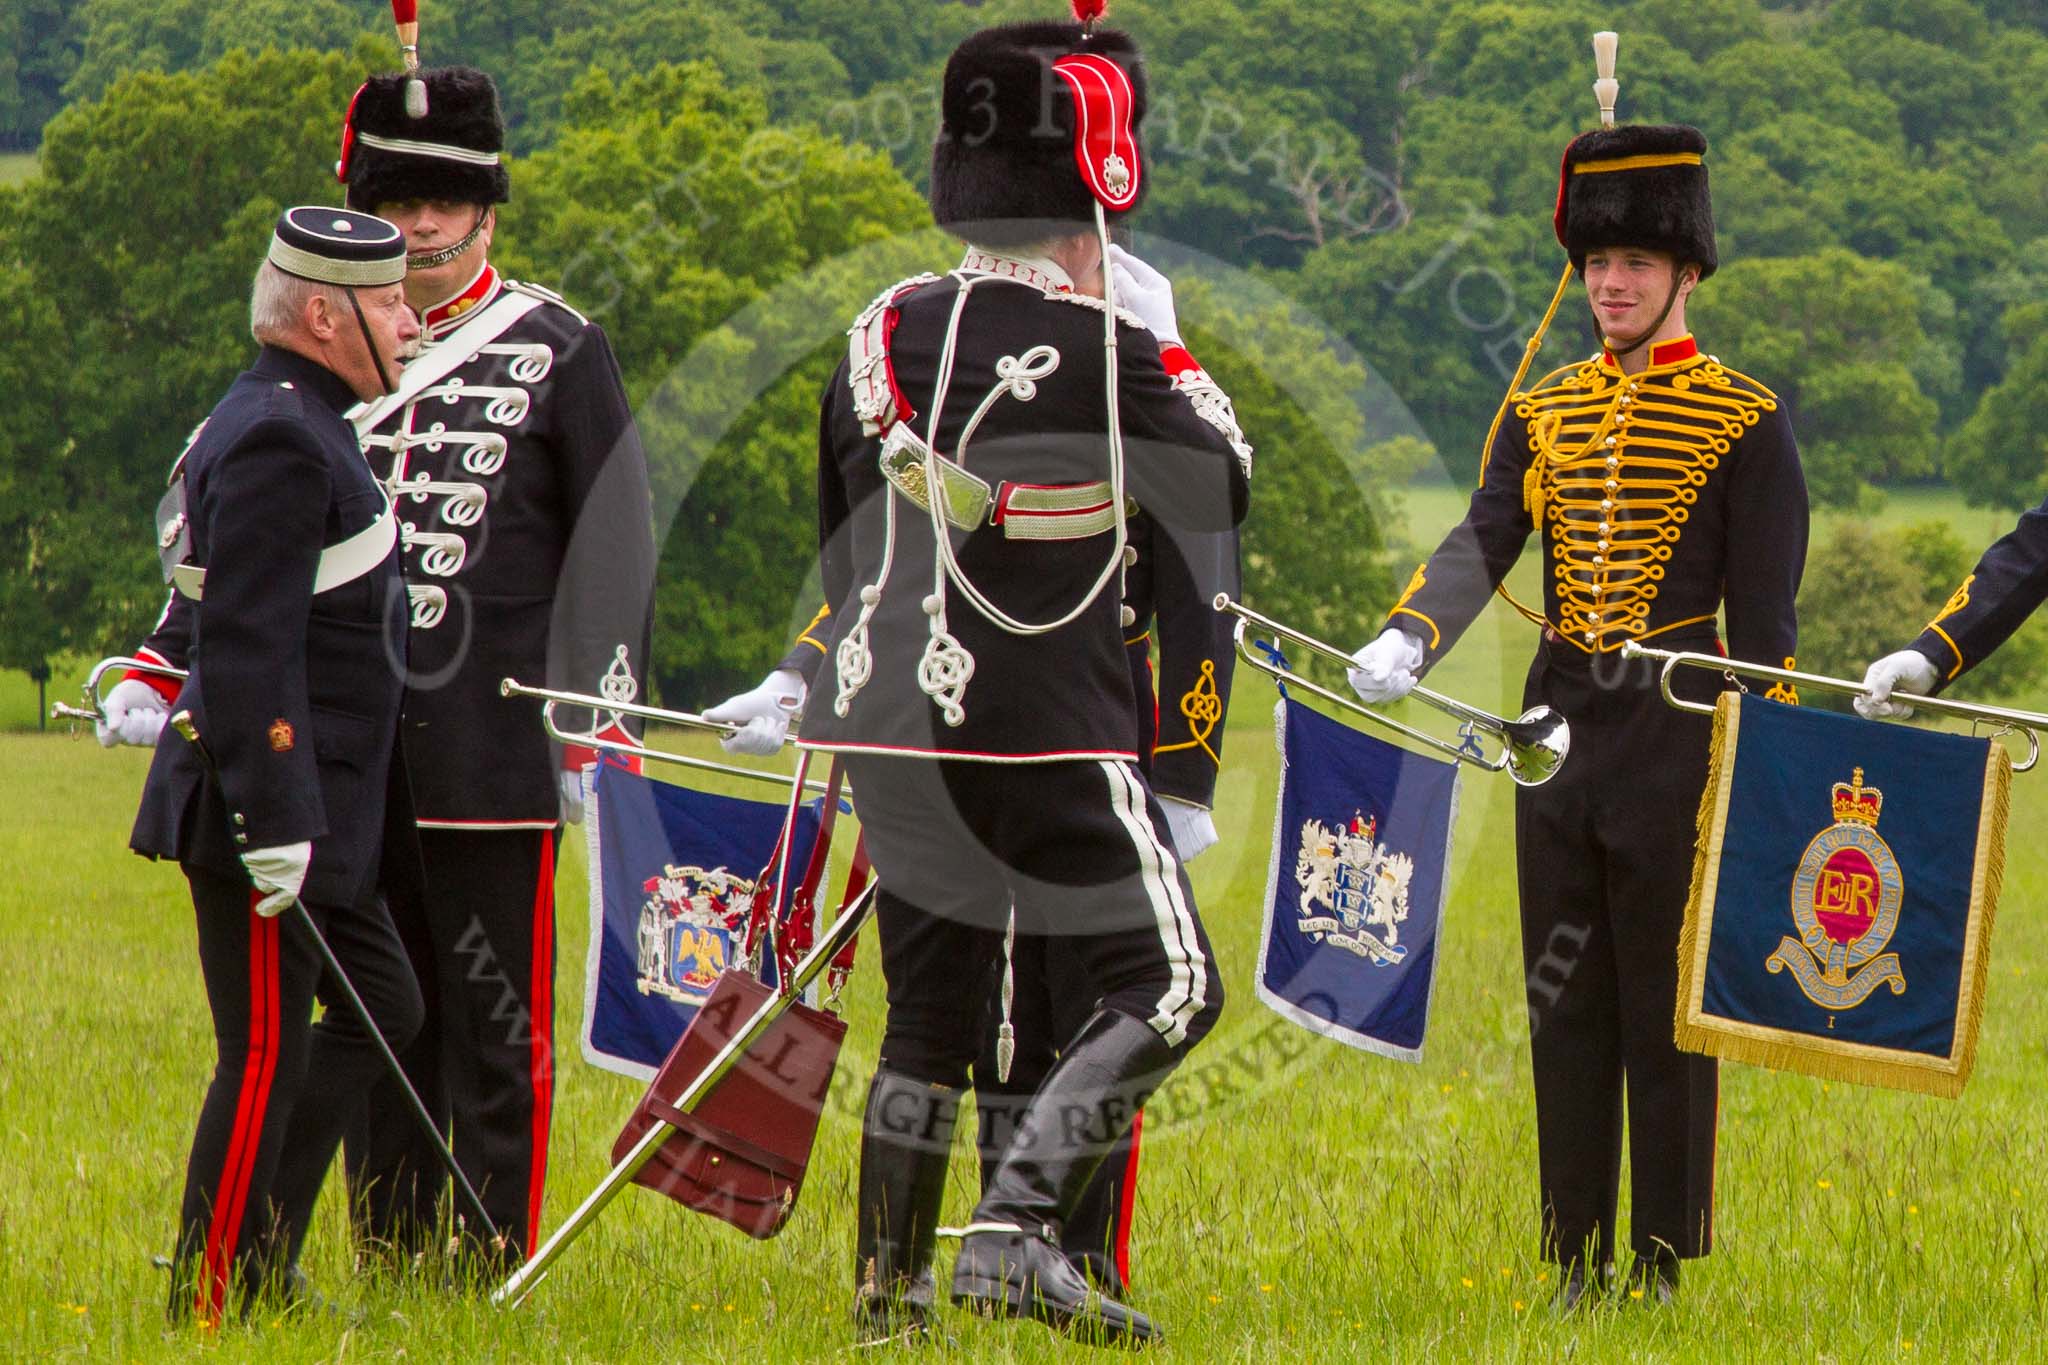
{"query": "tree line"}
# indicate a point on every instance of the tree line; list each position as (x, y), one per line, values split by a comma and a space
(1357, 195)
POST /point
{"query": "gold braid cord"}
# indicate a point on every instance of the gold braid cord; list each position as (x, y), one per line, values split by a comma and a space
(1616, 464)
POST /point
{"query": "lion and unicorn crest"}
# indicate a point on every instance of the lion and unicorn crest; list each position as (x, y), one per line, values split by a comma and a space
(1354, 890)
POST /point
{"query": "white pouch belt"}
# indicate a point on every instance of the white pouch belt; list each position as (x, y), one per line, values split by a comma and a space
(342, 562)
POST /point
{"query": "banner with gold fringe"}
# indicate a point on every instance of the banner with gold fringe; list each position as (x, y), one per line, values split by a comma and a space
(1843, 890)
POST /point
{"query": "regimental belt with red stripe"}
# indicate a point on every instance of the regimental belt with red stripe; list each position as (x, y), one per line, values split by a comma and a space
(1024, 511)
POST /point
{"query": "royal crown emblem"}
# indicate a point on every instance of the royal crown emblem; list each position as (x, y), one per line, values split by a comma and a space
(1354, 891)
(690, 927)
(1845, 904)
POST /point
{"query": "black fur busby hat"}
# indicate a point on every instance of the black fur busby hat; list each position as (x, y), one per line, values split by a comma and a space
(1641, 185)
(454, 152)
(1004, 165)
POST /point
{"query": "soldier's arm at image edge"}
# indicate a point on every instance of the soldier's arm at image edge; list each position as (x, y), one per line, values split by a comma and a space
(2008, 583)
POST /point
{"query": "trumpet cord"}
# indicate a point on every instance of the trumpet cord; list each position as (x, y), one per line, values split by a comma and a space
(1529, 351)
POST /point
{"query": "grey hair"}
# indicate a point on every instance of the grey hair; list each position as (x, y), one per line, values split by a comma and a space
(278, 301)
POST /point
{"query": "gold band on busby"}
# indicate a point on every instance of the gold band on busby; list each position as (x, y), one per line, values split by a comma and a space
(1640, 185)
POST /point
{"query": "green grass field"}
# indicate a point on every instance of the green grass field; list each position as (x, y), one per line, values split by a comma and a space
(1300, 1200)
(16, 167)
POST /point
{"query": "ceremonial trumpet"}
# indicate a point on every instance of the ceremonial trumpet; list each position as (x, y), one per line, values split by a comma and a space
(688, 720)
(1532, 747)
(94, 709)
(2026, 724)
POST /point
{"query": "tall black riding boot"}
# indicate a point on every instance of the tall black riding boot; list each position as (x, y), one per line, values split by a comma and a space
(1010, 1264)
(905, 1138)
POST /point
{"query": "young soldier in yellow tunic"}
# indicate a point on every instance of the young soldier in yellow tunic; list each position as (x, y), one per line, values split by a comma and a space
(1666, 488)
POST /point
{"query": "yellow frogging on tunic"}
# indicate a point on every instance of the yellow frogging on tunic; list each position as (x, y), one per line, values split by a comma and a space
(1617, 462)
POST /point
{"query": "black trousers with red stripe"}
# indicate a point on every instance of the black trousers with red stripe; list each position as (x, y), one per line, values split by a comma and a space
(283, 1088)
(482, 939)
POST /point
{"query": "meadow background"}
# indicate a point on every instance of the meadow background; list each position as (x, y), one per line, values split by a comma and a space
(1354, 202)
(1298, 1201)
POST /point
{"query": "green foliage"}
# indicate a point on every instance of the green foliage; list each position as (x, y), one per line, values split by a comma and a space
(38, 52)
(2001, 454)
(668, 206)
(124, 273)
(1837, 337)
(120, 36)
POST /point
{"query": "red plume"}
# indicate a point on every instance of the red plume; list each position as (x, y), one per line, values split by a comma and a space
(1088, 11)
(405, 11)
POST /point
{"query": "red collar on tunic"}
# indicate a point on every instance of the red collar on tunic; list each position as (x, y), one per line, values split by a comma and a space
(445, 316)
(1663, 353)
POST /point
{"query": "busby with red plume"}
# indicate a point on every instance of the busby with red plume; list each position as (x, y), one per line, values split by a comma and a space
(1039, 122)
(454, 152)
(1642, 185)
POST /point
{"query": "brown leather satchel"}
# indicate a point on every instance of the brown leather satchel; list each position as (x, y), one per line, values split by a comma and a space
(740, 1154)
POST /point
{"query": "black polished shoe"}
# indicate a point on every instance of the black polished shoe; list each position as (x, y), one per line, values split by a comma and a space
(1653, 1281)
(1002, 1274)
(1579, 1292)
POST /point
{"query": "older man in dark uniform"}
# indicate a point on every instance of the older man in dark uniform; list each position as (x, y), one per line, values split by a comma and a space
(975, 456)
(1666, 488)
(297, 656)
(525, 526)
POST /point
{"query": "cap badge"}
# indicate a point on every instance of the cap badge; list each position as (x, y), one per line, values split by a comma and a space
(281, 736)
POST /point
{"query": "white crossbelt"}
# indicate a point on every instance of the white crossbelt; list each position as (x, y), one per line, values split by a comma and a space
(444, 357)
(342, 562)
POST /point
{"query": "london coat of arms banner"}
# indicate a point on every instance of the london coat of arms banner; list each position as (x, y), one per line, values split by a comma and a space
(672, 875)
(1843, 890)
(1355, 893)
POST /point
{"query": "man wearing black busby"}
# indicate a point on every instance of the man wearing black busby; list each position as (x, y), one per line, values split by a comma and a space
(519, 474)
(285, 556)
(1666, 489)
(525, 524)
(976, 455)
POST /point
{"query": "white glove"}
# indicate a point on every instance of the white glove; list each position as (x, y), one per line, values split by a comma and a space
(1145, 292)
(135, 715)
(572, 796)
(280, 872)
(1192, 829)
(762, 714)
(1385, 669)
(1909, 669)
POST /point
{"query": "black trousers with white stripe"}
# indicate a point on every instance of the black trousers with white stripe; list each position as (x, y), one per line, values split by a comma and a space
(1079, 847)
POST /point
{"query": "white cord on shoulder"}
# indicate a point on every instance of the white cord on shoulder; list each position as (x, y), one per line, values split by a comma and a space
(1116, 565)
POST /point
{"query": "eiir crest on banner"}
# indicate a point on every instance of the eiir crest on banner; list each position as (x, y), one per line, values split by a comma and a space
(1354, 890)
(689, 930)
(1845, 904)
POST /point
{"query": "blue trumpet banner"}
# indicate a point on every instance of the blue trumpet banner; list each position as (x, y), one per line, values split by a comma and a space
(672, 875)
(1355, 892)
(1843, 893)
